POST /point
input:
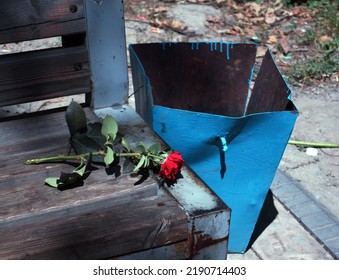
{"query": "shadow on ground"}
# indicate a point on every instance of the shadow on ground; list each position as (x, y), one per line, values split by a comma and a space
(267, 215)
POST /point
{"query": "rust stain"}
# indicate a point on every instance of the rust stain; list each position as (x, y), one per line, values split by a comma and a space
(203, 241)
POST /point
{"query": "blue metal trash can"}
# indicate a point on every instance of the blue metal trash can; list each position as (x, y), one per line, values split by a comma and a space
(230, 123)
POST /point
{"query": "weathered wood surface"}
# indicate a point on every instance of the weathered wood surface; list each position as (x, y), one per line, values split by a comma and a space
(22, 20)
(106, 217)
(47, 135)
(45, 74)
(107, 230)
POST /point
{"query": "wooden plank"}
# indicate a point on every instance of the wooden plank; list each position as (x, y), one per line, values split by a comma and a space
(22, 190)
(45, 74)
(22, 20)
(176, 251)
(106, 217)
(79, 232)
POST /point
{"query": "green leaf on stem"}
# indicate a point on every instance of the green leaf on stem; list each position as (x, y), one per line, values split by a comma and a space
(109, 157)
(142, 148)
(126, 145)
(83, 144)
(140, 163)
(69, 179)
(52, 182)
(155, 148)
(128, 166)
(90, 141)
(94, 132)
(109, 128)
(146, 162)
(75, 118)
(82, 168)
(65, 180)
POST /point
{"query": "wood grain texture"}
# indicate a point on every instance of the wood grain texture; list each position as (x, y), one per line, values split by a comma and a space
(106, 217)
(22, 186)
(79, 232)
(45, 74)
(22, 20)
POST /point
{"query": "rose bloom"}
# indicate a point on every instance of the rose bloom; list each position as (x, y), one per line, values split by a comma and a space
(171, 166)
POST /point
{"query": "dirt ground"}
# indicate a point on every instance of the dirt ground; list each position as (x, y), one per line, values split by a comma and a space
(319, 122)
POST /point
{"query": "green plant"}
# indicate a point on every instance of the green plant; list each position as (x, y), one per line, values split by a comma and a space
(323, 40)
(326, 15)
(316, 68)
(309, 37)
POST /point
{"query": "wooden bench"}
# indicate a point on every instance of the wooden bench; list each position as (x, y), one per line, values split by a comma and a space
(109, 216)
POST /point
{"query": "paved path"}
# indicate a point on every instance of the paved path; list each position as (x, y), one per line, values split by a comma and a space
(300, 228)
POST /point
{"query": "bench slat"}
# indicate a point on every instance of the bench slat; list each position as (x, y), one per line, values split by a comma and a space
(22, 20)
(45, 74)
(22, 189)
(107, 217)
(83, 232)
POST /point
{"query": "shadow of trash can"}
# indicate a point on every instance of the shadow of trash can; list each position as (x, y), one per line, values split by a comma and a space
(230, 122)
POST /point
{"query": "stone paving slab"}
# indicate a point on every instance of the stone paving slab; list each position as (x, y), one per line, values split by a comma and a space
(285, 238)
(308, 211)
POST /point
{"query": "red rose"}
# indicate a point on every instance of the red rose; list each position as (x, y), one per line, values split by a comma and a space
(171, 166)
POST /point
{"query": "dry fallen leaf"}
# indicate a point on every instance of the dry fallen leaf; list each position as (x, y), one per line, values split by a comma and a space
(257, 20)
(272, 39)
(214, 20)
(239, 16)
(270, 16)
(227, 31)
(250, 32)
(175, 24)
(325, 38)
(253, 9)
(155, 30)
(238, 30)
(284, 43)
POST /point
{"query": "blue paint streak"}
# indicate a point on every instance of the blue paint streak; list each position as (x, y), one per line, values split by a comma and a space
(214, 47)
(251, 77)
(228, 51)
(248, 89)
(195, 46)
(289, 94)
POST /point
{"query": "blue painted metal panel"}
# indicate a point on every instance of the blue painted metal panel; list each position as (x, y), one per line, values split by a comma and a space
(231, 137)
(107, 52)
